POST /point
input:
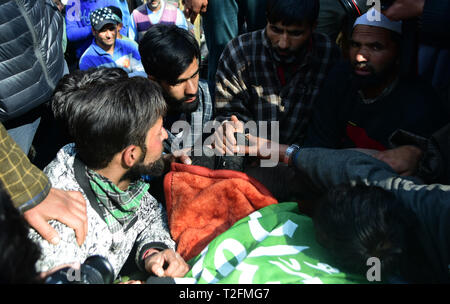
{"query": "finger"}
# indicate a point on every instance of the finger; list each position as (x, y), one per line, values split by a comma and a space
(186, 160)
(193, 17)
(77, 223)
(218, 144)
(230, 140)
(77, 218)
(43, 228)
(252, 148)
(77, 201)
(156, 265)
(175, 262)
(187, 12)
(238, 125)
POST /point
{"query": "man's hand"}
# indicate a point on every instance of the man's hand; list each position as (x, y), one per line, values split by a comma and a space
(265, 148)
(67, 207)
(176, 266)
(180, 156)
(404, 9)
(404, 160)
(194, 7)
(224, 140)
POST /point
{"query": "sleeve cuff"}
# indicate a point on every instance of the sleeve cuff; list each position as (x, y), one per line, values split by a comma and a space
(35, 200)
(140, 255)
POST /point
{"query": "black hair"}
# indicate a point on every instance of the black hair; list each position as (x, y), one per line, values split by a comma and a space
(18, 254)
(290, 12)
(78, 81)
(167, 51)
(106, 117)
(360, 222)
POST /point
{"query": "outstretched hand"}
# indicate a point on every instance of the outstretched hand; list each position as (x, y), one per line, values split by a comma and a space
(404, 159)
(67, 207)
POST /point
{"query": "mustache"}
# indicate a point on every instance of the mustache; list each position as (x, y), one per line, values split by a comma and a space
(363, 65)
(187, 97)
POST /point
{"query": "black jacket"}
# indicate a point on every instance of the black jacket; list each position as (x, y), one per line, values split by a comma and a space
(31, 55)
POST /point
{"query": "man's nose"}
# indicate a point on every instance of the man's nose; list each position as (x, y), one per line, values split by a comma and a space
(361, 56)
(164, 134)
(283, 42)
(191, 86)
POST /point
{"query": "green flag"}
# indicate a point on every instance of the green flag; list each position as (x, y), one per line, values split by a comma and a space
(272, 245)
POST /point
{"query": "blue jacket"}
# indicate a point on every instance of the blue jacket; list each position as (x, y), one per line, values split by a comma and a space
(78, 25)
(125, 56)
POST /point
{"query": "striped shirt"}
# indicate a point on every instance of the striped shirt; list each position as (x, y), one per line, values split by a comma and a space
(125, 56)
(248, 84)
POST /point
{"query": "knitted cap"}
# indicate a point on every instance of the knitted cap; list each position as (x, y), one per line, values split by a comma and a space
(377, 19)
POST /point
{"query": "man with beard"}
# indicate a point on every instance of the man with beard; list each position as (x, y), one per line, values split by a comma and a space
(275, 74)
(364, 103)
(118, 135)
(171, 57)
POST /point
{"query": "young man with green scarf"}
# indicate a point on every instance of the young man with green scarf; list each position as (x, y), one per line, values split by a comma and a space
(116, 124)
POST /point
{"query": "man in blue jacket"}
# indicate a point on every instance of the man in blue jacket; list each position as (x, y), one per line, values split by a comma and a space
(78, 24)
(108, 51)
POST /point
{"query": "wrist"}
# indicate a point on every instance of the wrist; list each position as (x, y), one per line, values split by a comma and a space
(289, 154)
(149, 253)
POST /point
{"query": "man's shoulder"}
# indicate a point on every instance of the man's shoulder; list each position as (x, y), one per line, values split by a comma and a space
(89, 55)
(248, 40)
(60, 170)
(205, 100)
(127, 46)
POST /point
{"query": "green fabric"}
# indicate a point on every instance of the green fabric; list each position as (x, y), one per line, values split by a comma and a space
(118, 206)
(273, 245)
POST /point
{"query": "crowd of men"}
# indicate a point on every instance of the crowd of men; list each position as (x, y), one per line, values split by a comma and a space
(358, 126)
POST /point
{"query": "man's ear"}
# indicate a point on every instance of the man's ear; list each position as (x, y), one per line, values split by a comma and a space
(131, 155)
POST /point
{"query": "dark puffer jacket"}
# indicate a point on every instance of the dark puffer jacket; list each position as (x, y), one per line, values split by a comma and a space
(31, 55)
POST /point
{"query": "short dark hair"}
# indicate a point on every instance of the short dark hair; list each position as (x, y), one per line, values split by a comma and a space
(360, 222)
(78, 81)
(167, 51)
(105, 118)
(18, 254)
(290, 12)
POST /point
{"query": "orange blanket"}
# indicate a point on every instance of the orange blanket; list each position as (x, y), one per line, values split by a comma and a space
(202, 203)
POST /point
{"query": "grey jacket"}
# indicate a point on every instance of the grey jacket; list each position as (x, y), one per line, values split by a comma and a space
(148, 230)
(431, 203)
(31, 55)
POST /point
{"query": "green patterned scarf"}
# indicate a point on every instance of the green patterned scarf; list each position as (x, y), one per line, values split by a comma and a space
(119, 207)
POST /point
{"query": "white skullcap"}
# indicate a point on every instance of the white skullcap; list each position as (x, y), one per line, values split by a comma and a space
(376, 18)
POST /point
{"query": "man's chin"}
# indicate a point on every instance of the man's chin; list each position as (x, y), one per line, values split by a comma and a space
(189, 107)
(137, 171)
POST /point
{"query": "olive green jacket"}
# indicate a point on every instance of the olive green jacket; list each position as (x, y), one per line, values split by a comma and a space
(24, 182)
